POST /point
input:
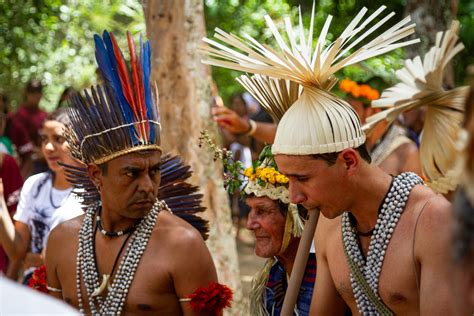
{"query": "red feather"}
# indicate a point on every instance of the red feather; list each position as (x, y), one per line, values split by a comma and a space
(125, 80)
(211, 300)
(38, 280)
(141, 107)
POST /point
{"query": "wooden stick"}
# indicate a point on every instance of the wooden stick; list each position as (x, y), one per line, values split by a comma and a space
(299, 266)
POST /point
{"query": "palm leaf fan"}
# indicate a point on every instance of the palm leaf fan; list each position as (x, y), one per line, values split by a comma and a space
(422, 86)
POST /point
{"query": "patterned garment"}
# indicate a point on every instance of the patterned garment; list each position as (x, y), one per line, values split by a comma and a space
(277, 284)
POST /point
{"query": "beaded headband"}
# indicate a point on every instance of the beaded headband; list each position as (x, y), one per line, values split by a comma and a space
(120, 116)
(313, 121)
(422, 86)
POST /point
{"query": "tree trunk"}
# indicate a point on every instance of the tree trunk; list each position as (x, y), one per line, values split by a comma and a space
(175, 29)
(431, 16)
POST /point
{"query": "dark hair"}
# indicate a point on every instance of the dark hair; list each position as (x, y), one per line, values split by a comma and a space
(33, 86)
(66, 95)
(330, 158)
(59, 115)
(237, 96)
(103, 168)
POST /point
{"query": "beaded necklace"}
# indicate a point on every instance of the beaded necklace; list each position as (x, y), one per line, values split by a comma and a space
(86, 269)
(367, 271)
(113, 234)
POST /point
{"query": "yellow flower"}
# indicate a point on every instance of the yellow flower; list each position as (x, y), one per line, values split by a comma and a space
(248, 172)
(281, 179)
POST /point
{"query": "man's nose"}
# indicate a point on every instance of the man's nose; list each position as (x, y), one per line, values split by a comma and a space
(296, 196)
(252, 222)
(146, 184)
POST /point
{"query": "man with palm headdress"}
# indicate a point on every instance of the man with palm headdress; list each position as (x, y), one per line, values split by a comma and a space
(386, 253)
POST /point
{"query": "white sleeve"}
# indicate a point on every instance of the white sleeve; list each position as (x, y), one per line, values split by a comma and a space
(71, 208)
(25, 208)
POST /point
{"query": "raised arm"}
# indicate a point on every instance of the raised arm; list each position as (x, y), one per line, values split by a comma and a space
(233, 123)
(14, 237)
(326, 300)
(433, 248)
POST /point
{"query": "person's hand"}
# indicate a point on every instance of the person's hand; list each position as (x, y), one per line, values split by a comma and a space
(32, 260)
(230, 120)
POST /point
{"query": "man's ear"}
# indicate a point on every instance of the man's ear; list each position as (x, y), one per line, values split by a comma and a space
(95, 174)
(350, 159)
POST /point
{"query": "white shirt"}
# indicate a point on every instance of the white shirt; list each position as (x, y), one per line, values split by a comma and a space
(16, 299)
(39, 200)
(71, 208)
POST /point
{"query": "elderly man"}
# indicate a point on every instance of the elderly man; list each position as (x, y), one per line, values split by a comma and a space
(133, 256)
(277, 225)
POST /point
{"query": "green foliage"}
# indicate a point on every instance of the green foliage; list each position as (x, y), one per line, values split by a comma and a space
(246, 16)
(233, 169)
(52, 40)
(466, 57)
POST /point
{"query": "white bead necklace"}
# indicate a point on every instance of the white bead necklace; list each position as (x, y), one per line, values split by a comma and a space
(86, 268)
(390, 213)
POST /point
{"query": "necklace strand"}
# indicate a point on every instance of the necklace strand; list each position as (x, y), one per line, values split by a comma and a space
(113, 234)
(88, 273)
(387, 220)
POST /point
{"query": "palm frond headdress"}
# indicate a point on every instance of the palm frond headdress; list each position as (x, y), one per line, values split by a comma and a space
(422, 86)
(312, 120)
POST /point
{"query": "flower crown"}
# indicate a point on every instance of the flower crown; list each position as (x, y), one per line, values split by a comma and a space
(351, 87)
(264, 170)
(262, 179)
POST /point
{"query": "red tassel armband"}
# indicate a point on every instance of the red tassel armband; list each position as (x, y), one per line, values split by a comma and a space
(211, 300)
(38, 280)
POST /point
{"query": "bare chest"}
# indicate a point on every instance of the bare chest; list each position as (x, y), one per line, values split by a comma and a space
(151, 291)
(397, 281)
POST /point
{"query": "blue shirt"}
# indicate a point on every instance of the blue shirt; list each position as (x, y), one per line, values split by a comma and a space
(277, 284)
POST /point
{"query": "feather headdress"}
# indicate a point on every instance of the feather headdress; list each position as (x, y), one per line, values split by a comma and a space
(422, 85)
(325, 122)
(120, 116)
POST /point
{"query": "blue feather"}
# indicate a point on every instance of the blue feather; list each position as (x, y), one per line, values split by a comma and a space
(111, 68)
(146, 69)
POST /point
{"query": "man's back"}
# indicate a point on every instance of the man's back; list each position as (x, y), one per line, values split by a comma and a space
(175, 263)
(415, 263)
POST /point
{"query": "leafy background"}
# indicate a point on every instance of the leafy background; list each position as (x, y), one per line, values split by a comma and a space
(52, 39)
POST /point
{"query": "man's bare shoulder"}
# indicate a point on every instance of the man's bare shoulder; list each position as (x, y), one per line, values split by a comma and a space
(67, 229)
(427, 201)
(175, 229)
(408, 149)
(433, 221)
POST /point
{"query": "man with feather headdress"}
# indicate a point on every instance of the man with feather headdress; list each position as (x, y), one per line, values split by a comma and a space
(383, 241)
(137, 252)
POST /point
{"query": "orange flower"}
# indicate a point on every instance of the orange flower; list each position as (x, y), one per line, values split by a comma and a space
(373, 95)
(355, 91)
(365, 90)
(346, 85)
